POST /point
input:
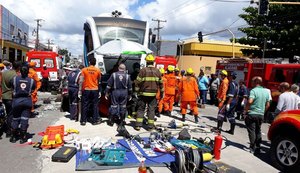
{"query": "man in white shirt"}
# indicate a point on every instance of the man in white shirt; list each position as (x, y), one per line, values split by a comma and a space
(288, 100)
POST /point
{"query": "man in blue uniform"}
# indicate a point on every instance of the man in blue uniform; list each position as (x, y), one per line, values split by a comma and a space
(228, 109)
(23, 86)
(73, 88)
(120, 87)
(242, 99)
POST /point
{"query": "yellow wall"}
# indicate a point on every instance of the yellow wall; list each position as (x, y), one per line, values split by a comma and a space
(197, 62)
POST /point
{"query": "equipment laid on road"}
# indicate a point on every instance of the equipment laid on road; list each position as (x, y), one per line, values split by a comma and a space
(217, 146)
(53, 137)
(108, 157)
(64, 154)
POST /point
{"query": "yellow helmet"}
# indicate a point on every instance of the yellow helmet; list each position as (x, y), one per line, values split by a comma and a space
(224, 72)
(177, 69)
(162, 70)
(150, 58)
(189, 71)
(171, 68)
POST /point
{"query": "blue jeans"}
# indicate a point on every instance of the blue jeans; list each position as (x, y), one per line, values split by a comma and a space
(203, 96)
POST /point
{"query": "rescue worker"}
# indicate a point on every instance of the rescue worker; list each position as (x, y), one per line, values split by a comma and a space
(119, 86)
(242, 99)
(148, 83)
(45, 78)
(132, 104)
(23, 86)
(90, 90)
(33, 75)
(189, 92)
(228, 109)
(221, 96)
(169, 90)
(73, 88)
(178, 78)
(159, 97)
(7, 93)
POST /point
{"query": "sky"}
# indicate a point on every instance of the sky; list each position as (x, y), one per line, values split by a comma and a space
(63, 19)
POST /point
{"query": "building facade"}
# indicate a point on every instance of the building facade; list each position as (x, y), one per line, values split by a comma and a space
(13, 36)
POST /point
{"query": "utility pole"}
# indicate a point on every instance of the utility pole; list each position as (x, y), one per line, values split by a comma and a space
(38, 25)
(158, 35)
(49, 42)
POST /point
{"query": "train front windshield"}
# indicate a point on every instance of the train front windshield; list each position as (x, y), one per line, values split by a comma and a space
(108, 33)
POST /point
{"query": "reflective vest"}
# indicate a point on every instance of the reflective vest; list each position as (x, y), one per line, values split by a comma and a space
(73, 78)
(22, 86)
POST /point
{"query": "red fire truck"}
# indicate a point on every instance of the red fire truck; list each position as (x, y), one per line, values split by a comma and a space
(272, 73)
(53, 63)
(165, 61)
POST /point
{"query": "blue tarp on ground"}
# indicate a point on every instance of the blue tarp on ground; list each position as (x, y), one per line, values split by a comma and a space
(152, 158)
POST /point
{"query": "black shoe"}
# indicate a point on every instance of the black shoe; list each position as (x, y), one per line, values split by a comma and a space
(196, 119)
(219, 125)
(23, 137)
(8, 133)
(13, 137)
(97, 122)
(150, 128)
(231, 131)
(34, 114)
(83, 123)
(183, 118)
(168, 113)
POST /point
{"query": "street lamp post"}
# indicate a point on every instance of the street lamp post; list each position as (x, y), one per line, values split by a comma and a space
(233, 42)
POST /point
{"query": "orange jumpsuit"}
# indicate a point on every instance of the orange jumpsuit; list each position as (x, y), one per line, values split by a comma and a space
(189, 92)
(177, 94)
(169, 87)
(159, 98)
(222, 92)
(32, 74)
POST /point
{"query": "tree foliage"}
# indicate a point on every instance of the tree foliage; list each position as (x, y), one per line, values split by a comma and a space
(66, 53)
(280, 28)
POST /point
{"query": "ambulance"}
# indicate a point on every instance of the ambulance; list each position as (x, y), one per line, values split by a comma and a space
(53, 63)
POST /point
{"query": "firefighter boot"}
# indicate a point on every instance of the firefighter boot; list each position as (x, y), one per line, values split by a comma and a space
(183, 117)
(13, 137)
(219, 126)
(196, 119)
(23, 136)
(231, 131)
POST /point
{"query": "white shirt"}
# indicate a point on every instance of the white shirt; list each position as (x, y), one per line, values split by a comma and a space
(288, 101)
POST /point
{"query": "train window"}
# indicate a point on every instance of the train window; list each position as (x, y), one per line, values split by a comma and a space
(37, 61)
(49, 63)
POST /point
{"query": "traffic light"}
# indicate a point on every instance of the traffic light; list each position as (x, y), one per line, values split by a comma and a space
(263, 7)
(200, 37)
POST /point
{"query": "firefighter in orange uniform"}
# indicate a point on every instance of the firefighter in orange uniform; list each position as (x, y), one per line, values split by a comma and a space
(33, 75)
(170, 86)
(178, 78)
(189, 92)
(159, 97)
(223, 88)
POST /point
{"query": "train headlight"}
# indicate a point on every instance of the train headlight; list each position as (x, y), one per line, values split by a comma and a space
(100, 64)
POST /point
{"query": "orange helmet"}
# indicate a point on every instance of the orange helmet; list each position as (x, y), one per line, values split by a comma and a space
(32, 64)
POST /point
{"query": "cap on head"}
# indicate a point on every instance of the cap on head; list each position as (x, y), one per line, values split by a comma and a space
(122, 67)
(32, 64)
(162, 70)
(171, 68)
(150, 58)
(224, 72)
(189, 71)
(2, 65)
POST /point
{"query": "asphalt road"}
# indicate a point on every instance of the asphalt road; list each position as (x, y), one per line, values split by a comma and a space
(16, 158)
